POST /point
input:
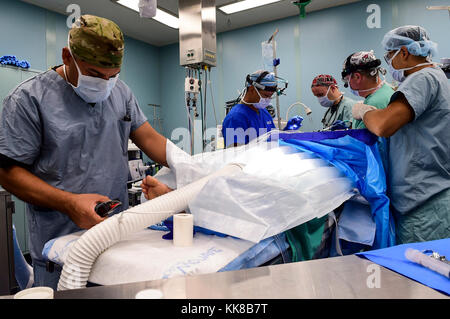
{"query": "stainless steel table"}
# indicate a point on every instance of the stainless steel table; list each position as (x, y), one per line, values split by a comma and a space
(339, 277)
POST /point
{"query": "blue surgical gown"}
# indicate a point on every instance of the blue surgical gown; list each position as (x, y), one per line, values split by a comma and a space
(242, 124)
(419, 152)
(68, 143)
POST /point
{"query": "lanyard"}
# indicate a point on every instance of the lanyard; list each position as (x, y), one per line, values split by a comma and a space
(335, 113)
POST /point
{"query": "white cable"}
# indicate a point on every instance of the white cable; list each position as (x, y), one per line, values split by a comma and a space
(212, 100)
(307, 109)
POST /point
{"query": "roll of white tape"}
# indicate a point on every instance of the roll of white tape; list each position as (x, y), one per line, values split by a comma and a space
(183, 230)
(35, 293)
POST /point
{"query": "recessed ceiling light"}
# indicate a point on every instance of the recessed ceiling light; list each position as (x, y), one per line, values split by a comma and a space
(245, 5)
(161, 16)
(439, 8)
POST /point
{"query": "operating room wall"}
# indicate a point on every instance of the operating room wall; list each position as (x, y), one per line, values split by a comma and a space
(37, 35)
(307, 47)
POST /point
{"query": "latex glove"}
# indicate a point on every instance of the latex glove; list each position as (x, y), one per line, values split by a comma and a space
(294, 123)
(360, 109)
(340, 125)
(153, 188)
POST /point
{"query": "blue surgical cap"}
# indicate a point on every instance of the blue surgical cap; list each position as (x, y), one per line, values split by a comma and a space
(268, 80)
(414, 38)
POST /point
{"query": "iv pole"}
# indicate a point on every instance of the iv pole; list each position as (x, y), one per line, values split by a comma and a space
(276, 74)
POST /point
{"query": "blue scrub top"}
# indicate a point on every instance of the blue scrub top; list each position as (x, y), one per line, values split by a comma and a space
(242, 124)
(68, 143)
(419, 152)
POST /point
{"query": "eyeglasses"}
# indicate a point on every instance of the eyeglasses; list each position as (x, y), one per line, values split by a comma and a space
(266, 94)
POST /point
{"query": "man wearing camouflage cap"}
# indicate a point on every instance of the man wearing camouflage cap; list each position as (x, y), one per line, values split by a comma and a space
(64, 138)
(361, 72)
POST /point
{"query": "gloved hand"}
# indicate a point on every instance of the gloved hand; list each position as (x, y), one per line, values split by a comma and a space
(340, 125)
(294, 123)
(360, 109)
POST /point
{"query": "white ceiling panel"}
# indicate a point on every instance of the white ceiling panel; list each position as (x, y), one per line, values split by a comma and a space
(157, 34)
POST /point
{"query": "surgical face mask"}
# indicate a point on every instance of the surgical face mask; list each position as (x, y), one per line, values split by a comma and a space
(358, 92)
(353, 91)
(399, 74)
(325, 101)
(92, 89)
(263, 102)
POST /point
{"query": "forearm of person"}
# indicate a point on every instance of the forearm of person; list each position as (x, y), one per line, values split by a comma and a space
(151, 143)
(33, 190)
(386, 122)
(378, 123)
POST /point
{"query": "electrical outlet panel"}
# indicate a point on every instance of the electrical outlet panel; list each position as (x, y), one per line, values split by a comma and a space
(191, 85)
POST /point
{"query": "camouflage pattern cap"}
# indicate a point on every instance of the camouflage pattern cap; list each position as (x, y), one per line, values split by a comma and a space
(97, 41)
(323, 80)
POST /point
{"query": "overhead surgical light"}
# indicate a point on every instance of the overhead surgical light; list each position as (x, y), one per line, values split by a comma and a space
(161, 16)
(245, 5)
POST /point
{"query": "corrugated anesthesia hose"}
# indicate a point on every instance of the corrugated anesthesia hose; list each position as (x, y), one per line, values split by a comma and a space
(96, 240)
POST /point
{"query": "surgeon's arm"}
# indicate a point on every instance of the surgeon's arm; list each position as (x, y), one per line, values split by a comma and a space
(153, 145)
(31, 189)
(385, 122)
(150, 142)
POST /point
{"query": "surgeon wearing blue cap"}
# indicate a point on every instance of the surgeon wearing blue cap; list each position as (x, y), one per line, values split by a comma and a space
(249, 118)
(417, 122)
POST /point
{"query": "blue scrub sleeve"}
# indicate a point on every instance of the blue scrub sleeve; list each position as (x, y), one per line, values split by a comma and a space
(419, 91)
(20, 129)
(233, 130)
(137, 116)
